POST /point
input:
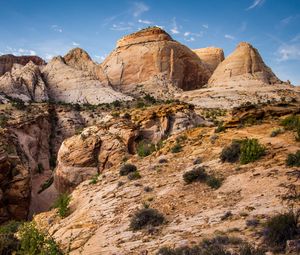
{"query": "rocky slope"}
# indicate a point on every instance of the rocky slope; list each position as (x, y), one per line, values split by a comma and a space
(71, 83)
(211, 56)
(163, 65)
(243, 67)
(100, 211)
(25, 83)
(7, 62)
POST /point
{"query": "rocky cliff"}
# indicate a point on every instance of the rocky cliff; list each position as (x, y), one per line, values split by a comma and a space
(7, 62)
(150, 61)
(243, 67)
(211, 56)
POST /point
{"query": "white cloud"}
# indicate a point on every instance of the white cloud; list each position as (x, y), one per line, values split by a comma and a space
(256, 3)
(190, 39)
(174, 29)
(121, 27)
(75, 44)
(288, 52)
(187, 33)
(139, 8)
(48, 56)
(19, 51)
(145, 21)
(296, 38)
(56, 28)
(205, 26)
(230, 37)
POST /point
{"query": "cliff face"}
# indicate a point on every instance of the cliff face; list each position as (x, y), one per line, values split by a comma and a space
(211, 56)
(243, 66)
(7, 62)
(150, 61)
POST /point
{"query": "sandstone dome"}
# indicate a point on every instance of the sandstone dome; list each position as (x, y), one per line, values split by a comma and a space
(211, 56)
(150, 60)
(243, 66)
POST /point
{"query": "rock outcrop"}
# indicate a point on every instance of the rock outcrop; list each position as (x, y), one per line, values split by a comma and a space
(75, 83)
(7, 62)
(150, 61)
(211, 56)
(24, 82)
(243, 67)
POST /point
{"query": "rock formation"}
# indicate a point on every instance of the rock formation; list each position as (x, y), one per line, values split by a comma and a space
(150, 61)
(75, 84)
(7, 62)
(24, 82)
(211, 56)
(243, 67)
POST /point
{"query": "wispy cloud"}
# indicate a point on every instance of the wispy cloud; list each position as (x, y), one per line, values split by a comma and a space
(143, 21)
(286, 21)
(256, 3)
(243, 26)
(288, 52)
(139, 8)
(57, 28)
(230, 37)
(205, 26)
(121, 26)
(75, 44)
(174, 30)
(19, 51)
(296, 38)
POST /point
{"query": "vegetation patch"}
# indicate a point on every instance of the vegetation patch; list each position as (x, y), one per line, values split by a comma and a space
(292, 122)
(176, 148)
(145, 148)
(146, 217)
(62, 204)
(46, 184)
(8, 241)
(280, 228)
(94, 179)
(198, 174)
(293, 159)
(244, 151)
(277, 132)
(134, 175)
(127, 168)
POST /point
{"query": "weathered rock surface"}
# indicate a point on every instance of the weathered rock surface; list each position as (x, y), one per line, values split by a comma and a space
(211, 56)
(71, 85)
(150, 61)
(243, 67)
(7, 62)
(24, 82)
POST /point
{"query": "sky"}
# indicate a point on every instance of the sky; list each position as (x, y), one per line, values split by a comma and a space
(52, 27)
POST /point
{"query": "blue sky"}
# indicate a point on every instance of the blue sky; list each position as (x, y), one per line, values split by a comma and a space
(49, 28)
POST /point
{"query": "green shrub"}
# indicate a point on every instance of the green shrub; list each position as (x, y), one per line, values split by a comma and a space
(127, 168)
(232, 152)
(62, 204)
(134, 175)
(18, 104)
(291, 122)
(213, 182)
(280, 228)
(94, 179)
(293, 159)
(176, 148)
(196, 174)
(3, 120)
(146, 217)
(33, 242)
(220, 128)
(8, 242)
(251, 151)
(145, 148)
(277, 132)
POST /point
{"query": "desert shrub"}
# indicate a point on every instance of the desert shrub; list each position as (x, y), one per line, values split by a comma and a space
(94, 179)
(146, 217)
(213, 182)
(62, 204)
(176, 148)
(134, 175)
(196, 174)
(277, 132)
(251, 150)
(291, 122)
(280, 228)
(33, 242)
(3, 120)
(127, 168)
(150, 99)
(8, 242)
(145, 148)
(293, 159)
(232, 152)
(18, 104)
(220, 128)
(247, 249)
